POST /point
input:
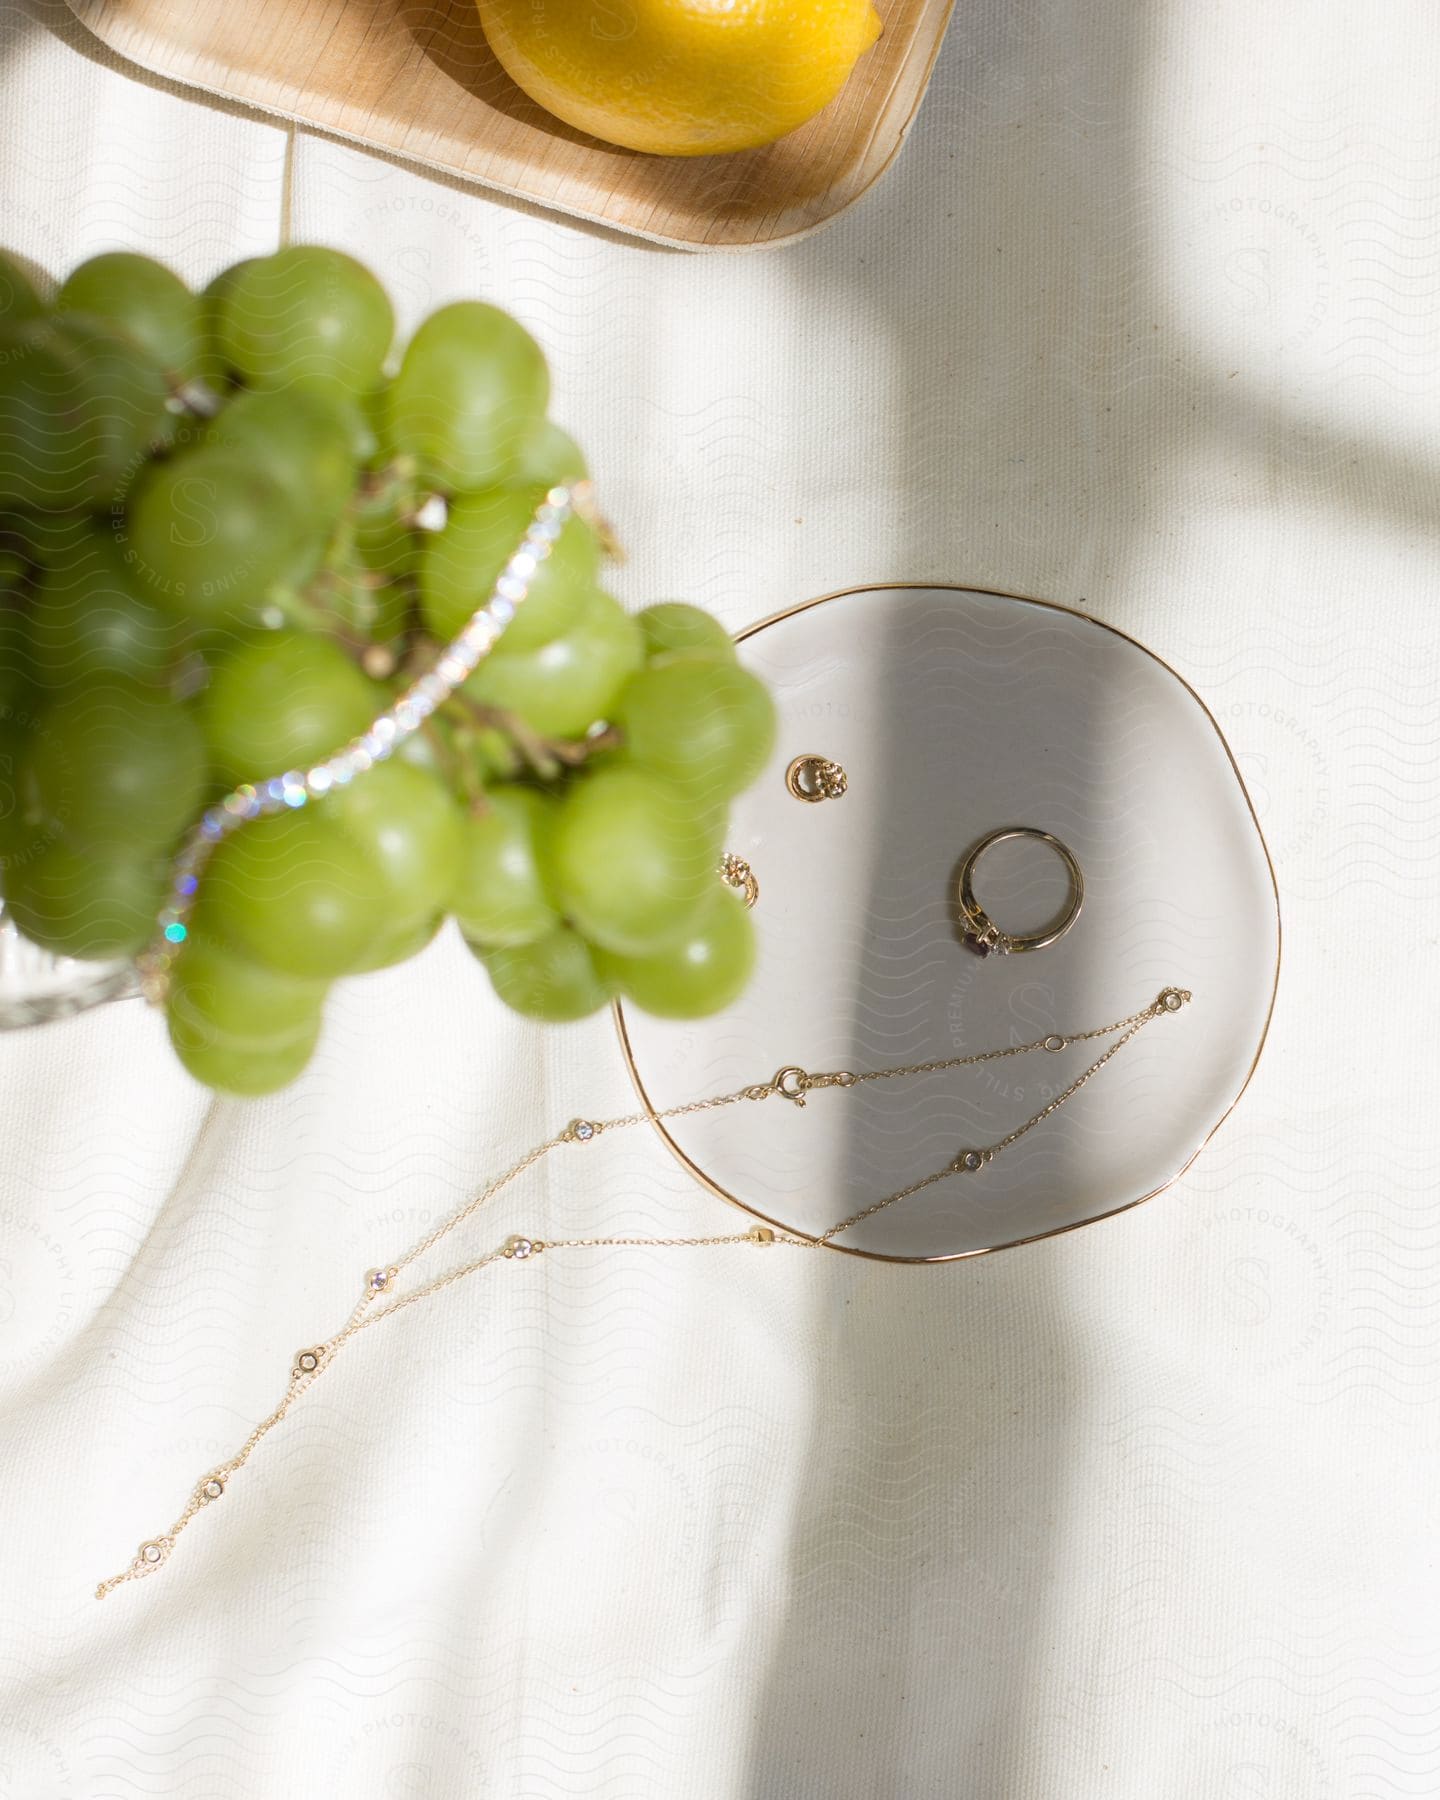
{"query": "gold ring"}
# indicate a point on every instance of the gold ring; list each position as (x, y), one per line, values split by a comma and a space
(982, 935)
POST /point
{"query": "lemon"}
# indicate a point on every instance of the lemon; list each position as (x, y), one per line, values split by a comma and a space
(681, 77)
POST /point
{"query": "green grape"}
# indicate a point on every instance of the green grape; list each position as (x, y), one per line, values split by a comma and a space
(704, 723)
(18, 299)
(300, 437)
(212, 988)
(210, 535)
(44, 461)
(702, 972)
(388, 616)
(131, 414)
(86, 621)
(235, 1066)
(121, 768)
(431, 748)
(357, 412)
(398, 943)
(80, 405)
(283, 701)
(48, 538)
(294, 580)
(410, 830)
(15, 660)
(144, 298)
(671, 625)
(305, 313)
(631, 857)
(550, 456)
(470, 393)
(554, 978)
(500, 898)
(214, 368)
(17, 830)
(374, 408)
(569, 684)
(74, 903)
(295, 893)
(460, 565)
(384, 542)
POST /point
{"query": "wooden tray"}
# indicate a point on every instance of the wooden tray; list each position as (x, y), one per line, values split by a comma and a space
(417, 79)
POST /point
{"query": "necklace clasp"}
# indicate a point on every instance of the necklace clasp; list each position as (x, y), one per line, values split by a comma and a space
(791, 1083)
(794, 1083)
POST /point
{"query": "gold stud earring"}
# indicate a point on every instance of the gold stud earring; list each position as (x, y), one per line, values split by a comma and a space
(737, 873)
(813, 778)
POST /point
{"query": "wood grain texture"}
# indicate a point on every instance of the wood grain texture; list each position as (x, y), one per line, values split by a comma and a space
(418, 80)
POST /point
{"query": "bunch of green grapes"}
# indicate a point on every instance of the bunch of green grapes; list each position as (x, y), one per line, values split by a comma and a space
(233, 526)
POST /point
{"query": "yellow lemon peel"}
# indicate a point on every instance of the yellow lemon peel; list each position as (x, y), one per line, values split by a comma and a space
(681, 77)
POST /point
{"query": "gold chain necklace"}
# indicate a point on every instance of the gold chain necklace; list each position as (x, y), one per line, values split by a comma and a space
(791, 1083)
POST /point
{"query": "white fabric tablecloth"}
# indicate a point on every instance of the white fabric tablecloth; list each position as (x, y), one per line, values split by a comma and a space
(1144, 319)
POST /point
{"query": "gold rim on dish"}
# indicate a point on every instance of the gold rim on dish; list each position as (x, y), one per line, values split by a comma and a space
(949, 1256)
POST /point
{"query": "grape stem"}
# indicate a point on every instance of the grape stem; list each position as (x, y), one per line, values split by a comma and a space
(307, 611)
(610, 545)
(339, 598)
(397, 475)
(548, 758)
(453, 747)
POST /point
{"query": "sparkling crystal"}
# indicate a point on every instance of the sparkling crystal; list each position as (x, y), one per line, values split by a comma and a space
(434, 687)
(501, 611)
(509, 587)
(379, 1279)
(522, 564)
(320, 780)
(213, 824)
(450, 671)
(292, 788)
(151, 1552)
(544, 534)
(977, 946)
(213, 1488)
(521, 1247)
(407, 714)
